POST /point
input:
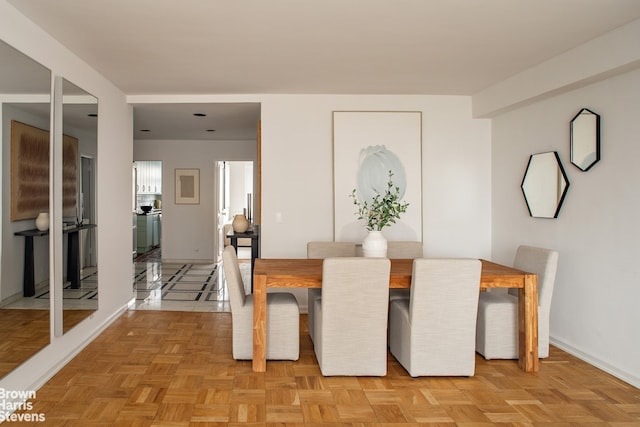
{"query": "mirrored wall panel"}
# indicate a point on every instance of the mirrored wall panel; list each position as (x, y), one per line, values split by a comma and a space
(79, 192)
(585, 139)
(544, 185)
(25, 104)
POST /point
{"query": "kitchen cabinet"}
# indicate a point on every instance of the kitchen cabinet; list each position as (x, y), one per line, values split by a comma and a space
(149, 177)
(149, 231)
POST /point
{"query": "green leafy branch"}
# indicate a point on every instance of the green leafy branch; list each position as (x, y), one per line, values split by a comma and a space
(383, 209)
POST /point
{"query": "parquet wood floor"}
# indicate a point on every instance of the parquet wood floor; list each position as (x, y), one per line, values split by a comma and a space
(24, 332)
(154, 368)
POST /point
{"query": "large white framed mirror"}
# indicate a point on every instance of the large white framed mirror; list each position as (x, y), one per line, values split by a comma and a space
(25, 104)
(79, 158)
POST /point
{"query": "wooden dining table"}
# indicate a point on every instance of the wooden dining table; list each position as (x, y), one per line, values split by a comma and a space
(307, 273)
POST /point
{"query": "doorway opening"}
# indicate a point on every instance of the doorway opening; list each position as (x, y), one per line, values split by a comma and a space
(235, 196)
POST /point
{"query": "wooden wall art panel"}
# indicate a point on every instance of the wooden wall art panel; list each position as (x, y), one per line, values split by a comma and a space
(30, 172)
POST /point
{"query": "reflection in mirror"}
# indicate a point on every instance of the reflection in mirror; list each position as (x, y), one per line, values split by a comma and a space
(25, 99)
(585, 139)
(80, 137)
(544, 185)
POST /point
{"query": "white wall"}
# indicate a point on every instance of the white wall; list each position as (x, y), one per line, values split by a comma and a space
(188, 231)
(297, 172)
(594, 311)
(240, 183)
(114, 154)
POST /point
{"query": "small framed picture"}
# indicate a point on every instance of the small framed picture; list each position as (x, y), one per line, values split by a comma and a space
(187, 186)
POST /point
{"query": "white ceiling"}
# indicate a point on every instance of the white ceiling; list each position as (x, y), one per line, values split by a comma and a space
(453, 47)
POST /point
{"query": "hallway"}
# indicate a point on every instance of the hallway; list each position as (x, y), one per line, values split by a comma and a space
(183, 287)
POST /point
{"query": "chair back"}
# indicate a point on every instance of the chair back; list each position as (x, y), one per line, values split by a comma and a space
(444, 295)
(439, 337)
(404, 249)
(544, 263)
(321, 250)
(353, 323)
(234, 278)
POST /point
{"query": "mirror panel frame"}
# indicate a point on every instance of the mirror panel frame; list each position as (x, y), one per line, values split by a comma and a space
(543, 187)
(19, 92)
(585, 139)
(79, 122)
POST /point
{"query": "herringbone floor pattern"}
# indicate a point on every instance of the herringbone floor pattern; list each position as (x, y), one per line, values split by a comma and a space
(175, 369)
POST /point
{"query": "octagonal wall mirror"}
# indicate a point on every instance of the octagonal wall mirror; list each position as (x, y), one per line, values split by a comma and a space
(544, 185)
(585, 139)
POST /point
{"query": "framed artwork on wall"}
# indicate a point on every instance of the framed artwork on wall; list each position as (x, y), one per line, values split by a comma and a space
(187, 186)
(30, 148)
(367, 145)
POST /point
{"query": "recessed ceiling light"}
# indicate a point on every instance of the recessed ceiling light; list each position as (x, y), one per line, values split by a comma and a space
(199, 114)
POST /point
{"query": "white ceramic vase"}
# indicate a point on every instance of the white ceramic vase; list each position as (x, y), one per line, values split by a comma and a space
(240, 223)
(42, 221)
(374, 245)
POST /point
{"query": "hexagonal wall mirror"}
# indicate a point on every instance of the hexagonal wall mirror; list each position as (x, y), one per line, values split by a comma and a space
(544, 185)
(585, 139)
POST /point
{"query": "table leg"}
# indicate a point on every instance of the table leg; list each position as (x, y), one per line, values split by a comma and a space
(29, 285)
(528, 324)
(73, 259)
(260, 323)
(254, 255)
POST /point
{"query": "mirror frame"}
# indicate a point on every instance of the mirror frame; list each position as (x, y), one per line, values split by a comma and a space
(585, 138)
(79, 122)
(20, 94)
(560, 175)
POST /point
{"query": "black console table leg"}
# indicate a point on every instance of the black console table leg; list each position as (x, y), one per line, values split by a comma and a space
(29, 285)
(73, 260)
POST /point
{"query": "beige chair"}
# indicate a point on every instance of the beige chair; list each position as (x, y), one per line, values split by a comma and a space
(351, 317)
(283, 317)
(433, 332)
(497, 333)
(321, 250)
(403, 250)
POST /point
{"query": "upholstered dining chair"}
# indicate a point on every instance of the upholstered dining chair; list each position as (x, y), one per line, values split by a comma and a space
(283, 317)
(321, 250)
(408, 249)
(351, 317)
(497, 332)
(433, 332)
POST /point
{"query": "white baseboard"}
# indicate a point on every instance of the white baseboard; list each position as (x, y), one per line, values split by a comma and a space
(600, 364)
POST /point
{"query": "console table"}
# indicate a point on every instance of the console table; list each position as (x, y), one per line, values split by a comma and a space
(73, 256)
(252, 233)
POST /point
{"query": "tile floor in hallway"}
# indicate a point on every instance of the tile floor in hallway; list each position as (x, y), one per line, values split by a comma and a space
(183, 286)
(83, 298)
(157, 285)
